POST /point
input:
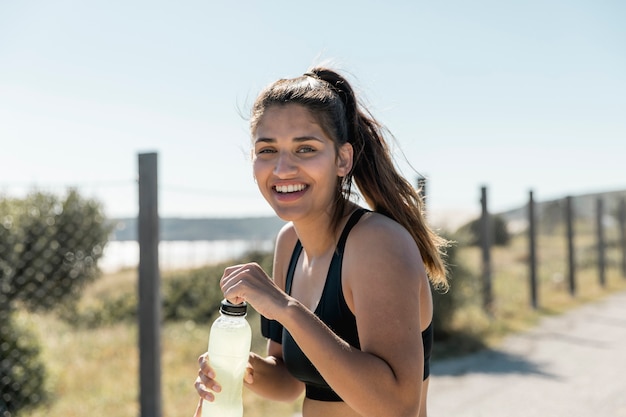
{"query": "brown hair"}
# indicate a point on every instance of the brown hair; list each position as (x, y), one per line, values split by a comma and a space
(331, 99)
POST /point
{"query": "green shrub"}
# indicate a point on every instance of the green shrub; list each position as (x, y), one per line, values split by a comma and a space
(192, 294)
(104, 311)
(471, 233)
(22, 372)
(196, 295)
(463, 291)
(49, 248)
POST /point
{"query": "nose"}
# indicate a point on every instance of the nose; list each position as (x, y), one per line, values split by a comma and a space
(285, 165)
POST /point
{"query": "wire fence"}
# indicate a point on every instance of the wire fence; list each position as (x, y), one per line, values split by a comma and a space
(54, 245)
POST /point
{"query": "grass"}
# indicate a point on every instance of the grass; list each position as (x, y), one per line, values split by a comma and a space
(95, 371)
(512, 310)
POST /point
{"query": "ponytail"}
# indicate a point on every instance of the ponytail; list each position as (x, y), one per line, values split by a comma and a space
(383, 188)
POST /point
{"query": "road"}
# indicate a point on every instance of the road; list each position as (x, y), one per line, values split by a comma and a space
(571, 365)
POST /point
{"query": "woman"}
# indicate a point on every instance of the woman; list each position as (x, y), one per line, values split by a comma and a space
(348, 312)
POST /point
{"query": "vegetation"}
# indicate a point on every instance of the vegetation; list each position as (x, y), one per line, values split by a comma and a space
(49, 248)
(94, 371)
(91, 353)
(471, 233)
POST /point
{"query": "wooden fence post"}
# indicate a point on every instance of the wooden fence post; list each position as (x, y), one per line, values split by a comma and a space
(622, 233)
(532, 251)
(149, 289)
(485, 244)
(571, 264)
(600, 236)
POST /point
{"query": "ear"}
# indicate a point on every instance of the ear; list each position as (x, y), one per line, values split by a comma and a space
(344, 159)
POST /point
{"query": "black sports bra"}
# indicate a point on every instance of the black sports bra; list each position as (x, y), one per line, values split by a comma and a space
(333, 310)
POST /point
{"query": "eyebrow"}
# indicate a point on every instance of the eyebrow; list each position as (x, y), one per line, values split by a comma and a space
(296, 139)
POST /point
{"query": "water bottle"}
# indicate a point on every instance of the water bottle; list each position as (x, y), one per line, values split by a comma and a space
(229, 347)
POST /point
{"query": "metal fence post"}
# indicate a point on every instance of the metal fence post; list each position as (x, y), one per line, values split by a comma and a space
(149, 288)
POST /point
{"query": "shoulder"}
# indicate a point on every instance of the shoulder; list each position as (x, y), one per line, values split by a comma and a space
(286, 237)
(377, 231)
(378, 246)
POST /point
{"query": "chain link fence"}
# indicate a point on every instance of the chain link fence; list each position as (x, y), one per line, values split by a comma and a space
(49, 250)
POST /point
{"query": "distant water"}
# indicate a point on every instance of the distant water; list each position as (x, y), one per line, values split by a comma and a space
(179, 254)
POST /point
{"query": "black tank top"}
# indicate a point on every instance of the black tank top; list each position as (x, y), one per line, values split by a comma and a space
(333, 310)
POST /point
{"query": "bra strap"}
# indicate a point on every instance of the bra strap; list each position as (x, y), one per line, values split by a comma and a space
(354, 218)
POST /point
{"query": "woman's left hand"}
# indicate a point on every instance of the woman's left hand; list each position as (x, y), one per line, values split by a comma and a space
(248, 282)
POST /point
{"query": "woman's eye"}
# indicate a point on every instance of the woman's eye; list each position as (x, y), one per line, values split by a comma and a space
(306, 149)
(265, 151)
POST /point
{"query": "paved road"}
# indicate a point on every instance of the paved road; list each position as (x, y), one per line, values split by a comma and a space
(573, 365)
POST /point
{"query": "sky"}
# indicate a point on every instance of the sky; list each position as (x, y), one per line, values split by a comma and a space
(510, 95)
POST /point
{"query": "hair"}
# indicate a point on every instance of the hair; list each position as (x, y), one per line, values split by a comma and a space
(331, 99)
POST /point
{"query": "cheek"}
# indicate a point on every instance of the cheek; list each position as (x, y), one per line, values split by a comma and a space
(259, 171)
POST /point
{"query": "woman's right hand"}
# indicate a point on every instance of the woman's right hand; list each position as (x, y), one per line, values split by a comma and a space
(205, 384)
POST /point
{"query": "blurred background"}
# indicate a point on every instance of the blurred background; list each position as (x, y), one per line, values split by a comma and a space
(511, 96)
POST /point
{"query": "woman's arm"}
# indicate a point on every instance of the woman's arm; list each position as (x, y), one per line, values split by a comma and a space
(269, 376)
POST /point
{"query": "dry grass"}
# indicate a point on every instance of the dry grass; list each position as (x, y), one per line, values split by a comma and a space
(512, 309)
(95, 371)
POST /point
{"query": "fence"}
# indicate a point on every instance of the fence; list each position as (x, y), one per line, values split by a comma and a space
(49, 259)
(600, 220)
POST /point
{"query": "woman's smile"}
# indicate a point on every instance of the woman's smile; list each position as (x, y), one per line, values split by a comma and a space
(291, 192)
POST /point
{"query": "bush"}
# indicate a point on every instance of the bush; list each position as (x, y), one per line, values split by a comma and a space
(472, 232)
(464, 290)
(49, 248)
(187, 295)
(107, 310)
(22, 373)
(196, 295)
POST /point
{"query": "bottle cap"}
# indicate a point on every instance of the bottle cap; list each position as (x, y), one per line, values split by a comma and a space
(233, 309)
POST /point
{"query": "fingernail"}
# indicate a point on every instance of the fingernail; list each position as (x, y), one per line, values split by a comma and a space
(217, 388)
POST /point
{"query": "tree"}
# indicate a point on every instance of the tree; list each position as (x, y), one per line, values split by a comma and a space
(49, 248)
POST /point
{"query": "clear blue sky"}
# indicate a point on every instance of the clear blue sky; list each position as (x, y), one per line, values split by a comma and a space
(514, 95)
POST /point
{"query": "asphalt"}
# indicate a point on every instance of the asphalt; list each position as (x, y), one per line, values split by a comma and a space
(569, 365)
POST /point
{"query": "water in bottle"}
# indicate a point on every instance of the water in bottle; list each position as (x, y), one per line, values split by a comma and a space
(229, 347)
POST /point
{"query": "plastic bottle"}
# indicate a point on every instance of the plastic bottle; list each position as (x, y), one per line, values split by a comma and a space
(229, 347)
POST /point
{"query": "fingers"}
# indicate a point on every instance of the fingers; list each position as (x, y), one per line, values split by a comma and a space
(205, 368)
(205, 385)
(233, 278)
(248, 376)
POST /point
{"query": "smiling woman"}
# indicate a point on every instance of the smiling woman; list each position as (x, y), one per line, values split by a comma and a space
(348, 309)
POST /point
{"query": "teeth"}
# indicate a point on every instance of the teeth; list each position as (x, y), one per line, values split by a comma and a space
(290, 188)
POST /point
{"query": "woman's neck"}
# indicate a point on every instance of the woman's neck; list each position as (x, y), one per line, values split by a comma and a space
(318, 236)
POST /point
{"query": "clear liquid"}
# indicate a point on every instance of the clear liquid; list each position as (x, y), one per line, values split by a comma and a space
(229, 346)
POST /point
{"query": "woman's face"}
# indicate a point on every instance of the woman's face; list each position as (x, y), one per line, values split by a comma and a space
(295, 162)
